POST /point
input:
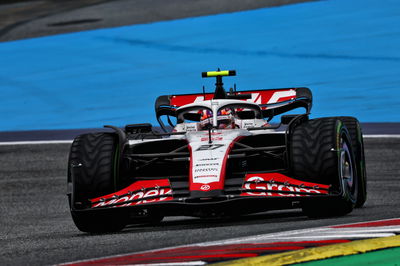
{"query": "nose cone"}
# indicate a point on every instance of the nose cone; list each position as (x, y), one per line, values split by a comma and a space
(208, 160)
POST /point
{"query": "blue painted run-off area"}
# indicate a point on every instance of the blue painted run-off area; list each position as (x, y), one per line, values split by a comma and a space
(347, 52)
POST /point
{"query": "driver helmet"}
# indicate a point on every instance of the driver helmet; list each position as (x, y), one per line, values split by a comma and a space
(205, 119)
(225, 119)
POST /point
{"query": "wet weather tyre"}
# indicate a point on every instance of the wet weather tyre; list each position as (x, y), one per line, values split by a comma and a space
(321, 152)
(92, 173)
(354, 128)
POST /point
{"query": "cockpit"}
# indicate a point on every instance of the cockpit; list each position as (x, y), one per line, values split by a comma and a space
(219, 114)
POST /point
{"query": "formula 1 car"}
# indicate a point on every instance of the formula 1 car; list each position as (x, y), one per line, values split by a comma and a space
(218, 156)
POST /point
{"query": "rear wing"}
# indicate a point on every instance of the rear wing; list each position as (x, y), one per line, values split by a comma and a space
(272, 101)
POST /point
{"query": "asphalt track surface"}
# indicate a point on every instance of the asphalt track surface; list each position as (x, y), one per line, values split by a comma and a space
(36, 228)
(34, 18)
(35, 224)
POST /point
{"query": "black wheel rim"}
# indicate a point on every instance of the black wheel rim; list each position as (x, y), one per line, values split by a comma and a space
(346, 168)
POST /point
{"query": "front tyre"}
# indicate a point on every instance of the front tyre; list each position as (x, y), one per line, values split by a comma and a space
(321, 152)
(92, 171)
(354, 128)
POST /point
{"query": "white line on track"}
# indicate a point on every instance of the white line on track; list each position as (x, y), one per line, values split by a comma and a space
(9, 143)
(388, 136)
(174, 263)
(262, 238)
(379, 229)
(319, 233)
(325, 236)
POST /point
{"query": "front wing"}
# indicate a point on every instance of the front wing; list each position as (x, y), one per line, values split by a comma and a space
(258, 192)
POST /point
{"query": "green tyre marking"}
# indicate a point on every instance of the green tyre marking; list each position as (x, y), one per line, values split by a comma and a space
(116, 164)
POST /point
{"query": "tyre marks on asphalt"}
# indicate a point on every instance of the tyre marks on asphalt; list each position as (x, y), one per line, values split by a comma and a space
(272, 249)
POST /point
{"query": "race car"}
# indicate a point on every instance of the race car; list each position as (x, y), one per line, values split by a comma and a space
(218, 156)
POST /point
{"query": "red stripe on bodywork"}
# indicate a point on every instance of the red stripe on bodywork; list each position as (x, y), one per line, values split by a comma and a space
(274, 183)
(139, 192)
(263, 96)
(371, 224)
(180, 100)
(282, 99)
(190, 167)
(223, 168)
(213, 185)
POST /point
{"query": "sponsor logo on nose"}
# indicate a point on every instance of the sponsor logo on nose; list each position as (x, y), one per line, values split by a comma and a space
(205, 187)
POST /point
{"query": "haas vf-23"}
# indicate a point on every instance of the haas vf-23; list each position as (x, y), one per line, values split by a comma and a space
(218, 156)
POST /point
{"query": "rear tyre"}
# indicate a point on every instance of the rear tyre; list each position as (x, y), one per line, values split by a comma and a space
(321, 152)
(92, 173)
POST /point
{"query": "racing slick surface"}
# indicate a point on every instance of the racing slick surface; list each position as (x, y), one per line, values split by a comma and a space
(37, 228)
